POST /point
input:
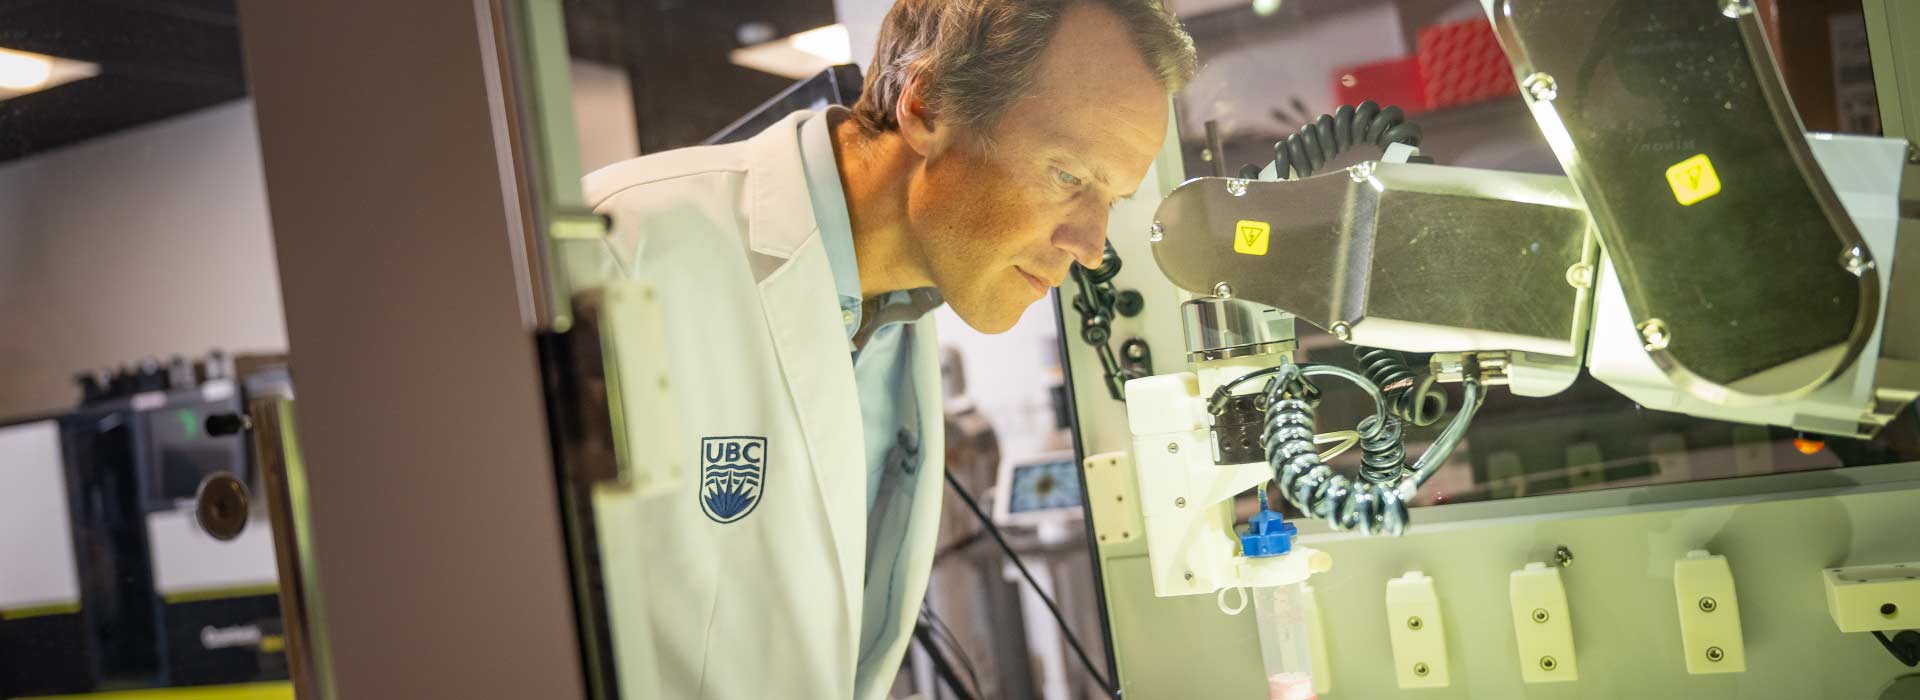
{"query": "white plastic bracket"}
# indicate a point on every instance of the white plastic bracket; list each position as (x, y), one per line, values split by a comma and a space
(1542, 625)
(1709, 614)
(1115, 501)
(1418, 634)
(1874, 598)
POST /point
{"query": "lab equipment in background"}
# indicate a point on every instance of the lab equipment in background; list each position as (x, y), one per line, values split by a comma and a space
(158, 597)
(1039, 491)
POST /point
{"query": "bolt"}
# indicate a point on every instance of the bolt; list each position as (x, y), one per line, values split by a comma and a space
(1547, 663)
(1189, 576)
(1156, 232)
(1223, 290)
(1343, 331)
(1539, 614)
(1420, 669)
(1580, 276)
(1562, 557)
(1715, 654)
(1173, 447)
(1654, 333)
(1541, 86)
(1856, 260)
(1361, 172)
(1735, 9)
(1237, 187)
(1180, 502)
(1707, 604)
(1414, 623)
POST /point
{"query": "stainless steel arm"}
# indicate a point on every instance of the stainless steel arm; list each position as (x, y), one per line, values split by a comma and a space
(1402, 256)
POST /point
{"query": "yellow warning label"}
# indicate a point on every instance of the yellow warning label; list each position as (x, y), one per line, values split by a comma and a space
(1250, 237)
(1693, 180)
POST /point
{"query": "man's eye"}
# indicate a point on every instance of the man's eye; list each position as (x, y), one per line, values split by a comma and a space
(1066, 178)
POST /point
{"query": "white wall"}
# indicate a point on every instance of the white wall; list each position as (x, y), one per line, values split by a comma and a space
(603, 118)
(150, 242)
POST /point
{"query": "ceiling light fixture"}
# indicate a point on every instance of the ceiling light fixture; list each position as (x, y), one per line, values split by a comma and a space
(22, 72)
(799, 56)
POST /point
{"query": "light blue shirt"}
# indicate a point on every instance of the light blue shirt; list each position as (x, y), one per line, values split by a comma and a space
(882, 368)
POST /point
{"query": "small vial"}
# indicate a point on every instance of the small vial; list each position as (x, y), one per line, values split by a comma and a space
(1283, 642)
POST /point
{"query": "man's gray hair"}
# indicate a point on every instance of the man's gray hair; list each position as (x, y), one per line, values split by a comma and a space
(975, 57)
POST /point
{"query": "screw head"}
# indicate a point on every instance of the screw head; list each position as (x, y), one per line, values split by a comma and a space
(1735, 9)
(1180, 502)
(1541, 86)
(1540, 615)
(1580, 276)
(1189, 576)
(1856, 260)
(1547, 663)
(1420, 669)
(1223, 290)
(1562, 556)
(1237, 187)
(1715, 654)
(1173, 447)
(1156, 232)
(1913, 153)
(1707, 604)
(1361, 171)
(1342, 331)
(1654, 335)
(1414, 623)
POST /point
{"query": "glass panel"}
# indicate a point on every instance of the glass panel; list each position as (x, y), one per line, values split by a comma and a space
(1269, 67)
(133, 237)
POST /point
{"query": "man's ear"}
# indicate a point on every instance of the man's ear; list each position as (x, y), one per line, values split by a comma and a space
(917, 124)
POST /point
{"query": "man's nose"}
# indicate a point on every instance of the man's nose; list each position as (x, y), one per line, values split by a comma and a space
(1085, 237)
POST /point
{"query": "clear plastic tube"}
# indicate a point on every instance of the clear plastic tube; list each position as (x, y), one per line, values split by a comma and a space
(1281, 615)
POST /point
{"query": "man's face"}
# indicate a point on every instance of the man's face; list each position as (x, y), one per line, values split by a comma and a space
(999, 221)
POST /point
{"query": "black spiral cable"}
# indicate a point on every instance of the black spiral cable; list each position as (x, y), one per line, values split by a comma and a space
(1317, 142)
(1306, 481)
(1408, 398)
(1383, 457)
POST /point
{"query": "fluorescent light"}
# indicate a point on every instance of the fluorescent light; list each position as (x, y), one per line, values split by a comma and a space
(799, 56)
(830, 43)
(22, 72)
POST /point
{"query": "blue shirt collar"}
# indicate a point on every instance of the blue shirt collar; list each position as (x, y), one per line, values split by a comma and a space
(829, 201)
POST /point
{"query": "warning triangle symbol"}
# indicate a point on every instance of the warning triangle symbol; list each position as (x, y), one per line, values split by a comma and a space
(1693, 176)
(1252, 235)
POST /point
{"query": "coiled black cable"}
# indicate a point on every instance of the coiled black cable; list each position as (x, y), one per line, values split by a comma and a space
(1319, 141)
(1383, 456)
(1408, 398)
(1306, 481)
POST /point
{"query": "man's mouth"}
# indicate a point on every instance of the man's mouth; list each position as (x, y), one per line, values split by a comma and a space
(1040, 285)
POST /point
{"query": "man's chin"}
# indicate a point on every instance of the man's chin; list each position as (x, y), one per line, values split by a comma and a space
(994, 318)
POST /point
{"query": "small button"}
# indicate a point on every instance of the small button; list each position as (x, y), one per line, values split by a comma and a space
(846, 316)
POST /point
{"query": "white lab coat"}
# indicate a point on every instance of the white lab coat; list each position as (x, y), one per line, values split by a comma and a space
(769, 605)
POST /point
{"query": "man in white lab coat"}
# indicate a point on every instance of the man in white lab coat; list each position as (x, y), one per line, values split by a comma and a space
(797, 270)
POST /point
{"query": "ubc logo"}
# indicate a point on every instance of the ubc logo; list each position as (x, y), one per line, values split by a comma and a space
(732, 470)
